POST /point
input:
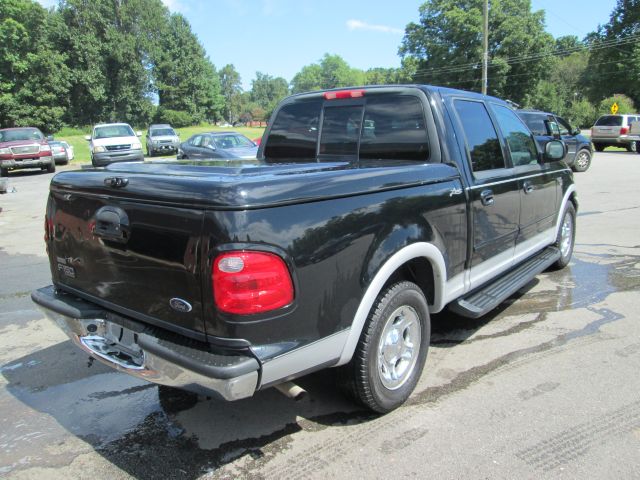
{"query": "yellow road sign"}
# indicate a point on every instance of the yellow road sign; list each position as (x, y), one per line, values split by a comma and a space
(614, 108)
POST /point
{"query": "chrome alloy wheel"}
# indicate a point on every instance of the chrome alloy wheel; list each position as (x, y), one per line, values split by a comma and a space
(399, 347)
(582, 161)
(566, 236)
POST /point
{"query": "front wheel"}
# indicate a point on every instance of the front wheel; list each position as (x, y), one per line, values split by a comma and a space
(4, 172)
(566, 237)
(582, 161)
(392, 350)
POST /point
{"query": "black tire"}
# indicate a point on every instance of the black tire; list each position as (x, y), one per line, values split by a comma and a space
(367, 378)
(4, 172)
(582, 161)
(568, 235)
(599, 147)
(51, 167)
(632, 147)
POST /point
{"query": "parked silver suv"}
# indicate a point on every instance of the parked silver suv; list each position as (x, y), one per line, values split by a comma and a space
(613, 131)
(161, 138)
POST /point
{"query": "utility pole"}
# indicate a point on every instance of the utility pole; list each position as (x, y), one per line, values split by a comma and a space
(485, 47)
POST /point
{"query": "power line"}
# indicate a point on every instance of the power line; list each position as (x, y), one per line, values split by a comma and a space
(594, 46)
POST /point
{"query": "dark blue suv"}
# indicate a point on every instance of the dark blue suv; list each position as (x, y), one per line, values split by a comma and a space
(547, 126)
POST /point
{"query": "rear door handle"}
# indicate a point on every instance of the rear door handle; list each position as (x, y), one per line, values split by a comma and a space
(486, 197)
(527, 187)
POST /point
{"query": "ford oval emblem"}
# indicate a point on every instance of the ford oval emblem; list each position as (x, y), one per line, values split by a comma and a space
(180, 305)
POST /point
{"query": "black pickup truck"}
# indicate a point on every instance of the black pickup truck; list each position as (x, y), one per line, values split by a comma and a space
(366, 210)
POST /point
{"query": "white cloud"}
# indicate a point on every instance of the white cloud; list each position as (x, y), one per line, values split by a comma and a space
(360, 25)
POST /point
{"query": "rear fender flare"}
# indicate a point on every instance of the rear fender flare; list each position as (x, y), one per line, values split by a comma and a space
(408, 253)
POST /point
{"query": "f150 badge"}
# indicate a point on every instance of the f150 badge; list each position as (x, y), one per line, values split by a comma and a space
(65, 268)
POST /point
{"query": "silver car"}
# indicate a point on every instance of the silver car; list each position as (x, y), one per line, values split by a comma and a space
(163, 139)
(613, 131)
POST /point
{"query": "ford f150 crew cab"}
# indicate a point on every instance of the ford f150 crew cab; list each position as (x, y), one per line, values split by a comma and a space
(366, 210)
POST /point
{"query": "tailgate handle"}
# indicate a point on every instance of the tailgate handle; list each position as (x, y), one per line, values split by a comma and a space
(112, 223)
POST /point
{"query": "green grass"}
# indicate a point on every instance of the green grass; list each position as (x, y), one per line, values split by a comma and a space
(75, 137)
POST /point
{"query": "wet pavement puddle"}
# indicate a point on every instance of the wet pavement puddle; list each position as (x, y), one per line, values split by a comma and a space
(151, 432)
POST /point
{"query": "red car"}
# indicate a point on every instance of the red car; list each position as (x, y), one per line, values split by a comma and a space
(24, 147)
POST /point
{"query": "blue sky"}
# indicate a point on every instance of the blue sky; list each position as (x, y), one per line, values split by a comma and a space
(279, 37)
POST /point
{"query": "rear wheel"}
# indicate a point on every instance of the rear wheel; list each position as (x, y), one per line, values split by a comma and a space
(599, 147)
(632, 147)
(582, 161)
(566, 237)
(51, 167)
(392, 350)
(4, 172)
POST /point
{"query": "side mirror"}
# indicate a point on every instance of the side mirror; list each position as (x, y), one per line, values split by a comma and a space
(554, 151)
(87, 138)
(139, 134)
(211, 146)
(50, 138)
(576, 131)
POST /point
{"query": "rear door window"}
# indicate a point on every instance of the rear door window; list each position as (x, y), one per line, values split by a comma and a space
(482, 139)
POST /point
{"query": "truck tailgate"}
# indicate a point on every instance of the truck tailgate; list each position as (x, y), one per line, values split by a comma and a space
(136, 257)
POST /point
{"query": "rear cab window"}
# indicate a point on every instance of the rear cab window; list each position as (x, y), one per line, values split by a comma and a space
(376, 127)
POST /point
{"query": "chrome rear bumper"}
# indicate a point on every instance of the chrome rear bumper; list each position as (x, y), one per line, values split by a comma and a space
(148, 353)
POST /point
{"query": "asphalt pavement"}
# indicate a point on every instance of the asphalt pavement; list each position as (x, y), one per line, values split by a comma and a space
(547, 386)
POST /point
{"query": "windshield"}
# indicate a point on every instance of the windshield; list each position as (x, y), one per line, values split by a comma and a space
(232, 141)
(159, 132)
(609, 121)
(110, 131)
(20, 134)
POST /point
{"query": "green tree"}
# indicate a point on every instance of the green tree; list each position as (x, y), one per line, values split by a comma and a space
(567, 45)
(625, 104)
(386, 76)
(231, 89)
(332, 72)
(308, 79)
(34, 80)
(581, 113)
(196, 93)
(111, 46)
(446, 44)
(266, 92)
(614, 64)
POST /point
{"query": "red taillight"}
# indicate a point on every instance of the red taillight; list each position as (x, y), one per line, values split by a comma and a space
(624, 130)
(247, 282)
(343, 94)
